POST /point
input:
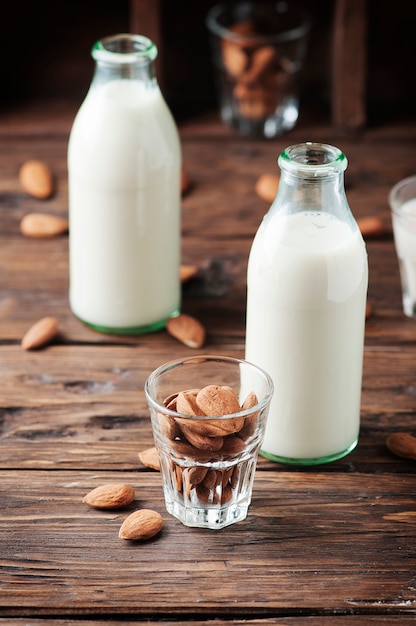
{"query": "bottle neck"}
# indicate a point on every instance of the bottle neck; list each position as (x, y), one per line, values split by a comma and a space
(312, 179)
(124, 57)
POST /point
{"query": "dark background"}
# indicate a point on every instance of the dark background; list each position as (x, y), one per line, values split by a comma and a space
(45, 54)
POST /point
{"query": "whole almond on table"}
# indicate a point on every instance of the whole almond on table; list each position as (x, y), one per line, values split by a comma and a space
(371, 226)
(186, 182)
(186, 272)
(40, 334)
(267, 185)
(36, 179)
(43, 225)
(150, 458)
(187, 329)
(141, 525)
(110, 496)
(402, 444)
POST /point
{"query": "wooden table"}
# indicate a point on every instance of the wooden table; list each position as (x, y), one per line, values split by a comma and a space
(334, 544)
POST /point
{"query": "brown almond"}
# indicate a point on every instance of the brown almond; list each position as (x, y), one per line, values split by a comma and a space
(150, 458)
(110, 496)
(43, 225)
(186, 182)
(215, 400)
(234, 58)
(267, 185)
(402, 444)
(36, 179)
(186, 272)
(233, 444)
(196, 475)
(250, 422)
(368, 310)
(199, 440)
(261, 60)
(187, 405)
(40, 334)
(141, 525)
(371, 226)
(187, 329)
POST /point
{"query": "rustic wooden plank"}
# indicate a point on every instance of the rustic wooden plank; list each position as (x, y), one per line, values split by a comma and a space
(86, 404)
(335, 539)
(331, 543)
(349, 64)
(310, 620)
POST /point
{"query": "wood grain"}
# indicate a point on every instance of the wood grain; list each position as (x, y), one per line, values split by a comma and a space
(327, 545)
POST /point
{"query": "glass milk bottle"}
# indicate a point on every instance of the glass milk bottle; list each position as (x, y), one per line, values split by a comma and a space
(124, 163)
(306, 299)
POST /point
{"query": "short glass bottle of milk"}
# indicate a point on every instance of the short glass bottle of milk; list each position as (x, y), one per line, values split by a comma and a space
(306, 299)
(124, 164)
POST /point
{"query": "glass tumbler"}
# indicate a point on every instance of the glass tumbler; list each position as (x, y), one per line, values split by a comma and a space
(402, 199)
(258, 50)
(208, 417)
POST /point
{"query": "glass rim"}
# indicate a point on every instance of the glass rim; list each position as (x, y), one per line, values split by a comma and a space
(287, 35)
(395, 204)
(124, 48)
(293, 158)
(207, 357)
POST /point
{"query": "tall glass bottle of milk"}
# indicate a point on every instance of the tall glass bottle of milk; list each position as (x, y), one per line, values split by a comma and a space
(306, 300)
(124, 163)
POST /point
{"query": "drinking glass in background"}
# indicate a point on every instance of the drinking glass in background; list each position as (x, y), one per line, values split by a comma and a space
(258, 51)
(208, 418)
(402, 199)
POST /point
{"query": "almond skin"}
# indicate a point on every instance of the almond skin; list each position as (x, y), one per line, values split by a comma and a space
(267, 185)
(110, 496)
(36, 179)
(402, 444)
(43, 225)
(215, 401)
(150, 458)
(186, 182)
(40, 334)
(141, 525)
(186, 272)
(187, 329)
(371, 227)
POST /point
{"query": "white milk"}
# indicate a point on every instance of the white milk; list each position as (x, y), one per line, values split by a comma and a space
(404, 227)
(307, 285)
(124, 208)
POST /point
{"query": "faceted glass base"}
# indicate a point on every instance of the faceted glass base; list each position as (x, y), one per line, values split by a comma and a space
(309, 461)
(208, 517)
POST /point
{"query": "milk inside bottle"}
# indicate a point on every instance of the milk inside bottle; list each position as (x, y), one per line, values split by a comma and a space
(306, 299)
(124, 162)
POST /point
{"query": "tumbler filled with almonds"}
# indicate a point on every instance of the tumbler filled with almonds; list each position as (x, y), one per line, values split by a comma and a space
(208, 417)
(258, 52)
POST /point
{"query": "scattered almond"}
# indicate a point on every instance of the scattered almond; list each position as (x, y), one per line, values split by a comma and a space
(187, 329)
(371, 226)
(141, 525)
(40, 334)
(402, 444)
(36, 179)
(368, 310)
(187, 272)
(267, 185)
(43, 225)
(110, 496)
(150, 458)
(186, 182)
